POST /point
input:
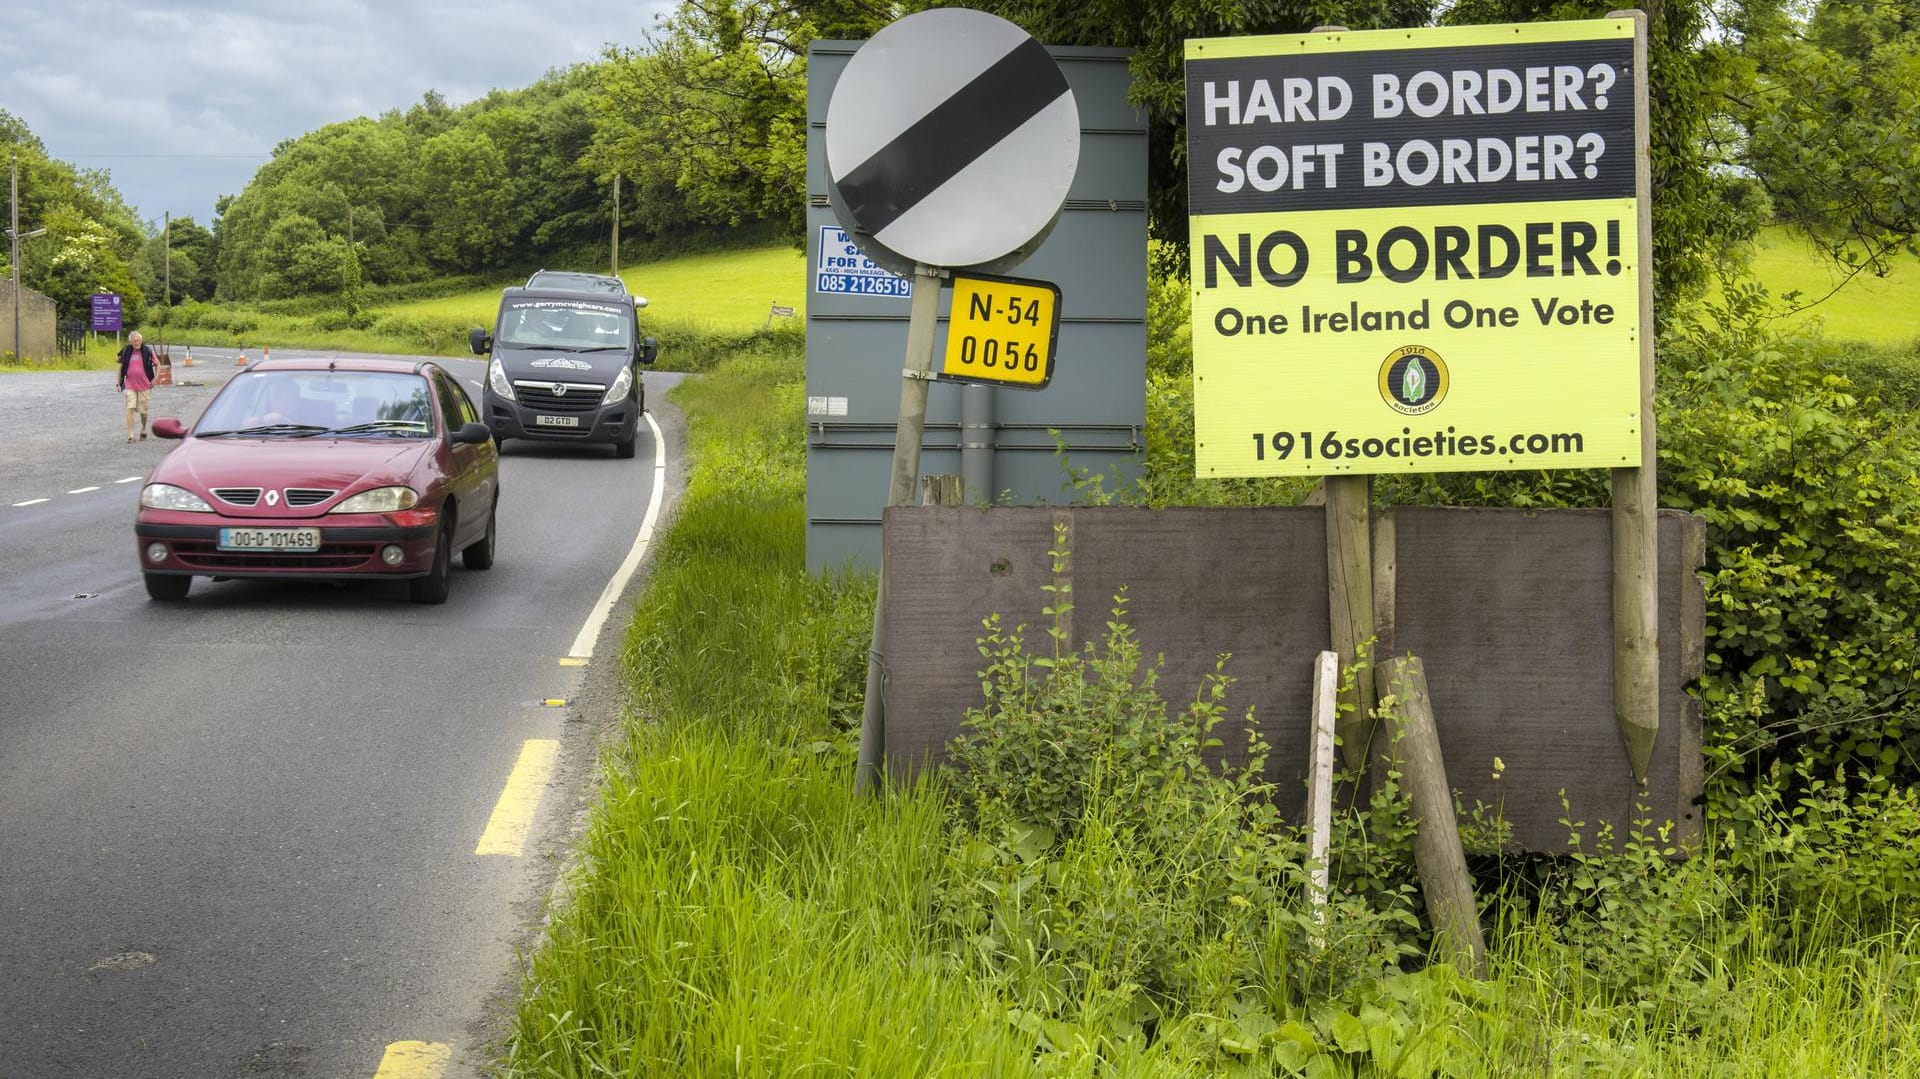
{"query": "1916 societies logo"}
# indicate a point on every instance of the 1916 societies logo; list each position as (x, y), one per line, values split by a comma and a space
(1413, 379)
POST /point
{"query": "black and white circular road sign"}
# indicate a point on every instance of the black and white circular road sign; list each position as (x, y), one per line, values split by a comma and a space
(951, 141)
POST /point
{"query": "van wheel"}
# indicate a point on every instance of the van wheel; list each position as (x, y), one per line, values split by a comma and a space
(624, 450)
(434, 586)
(167, 587)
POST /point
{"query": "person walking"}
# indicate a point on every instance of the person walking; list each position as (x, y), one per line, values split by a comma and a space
(136, 381)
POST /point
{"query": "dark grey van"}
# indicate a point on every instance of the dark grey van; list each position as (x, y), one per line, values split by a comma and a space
(565, 367)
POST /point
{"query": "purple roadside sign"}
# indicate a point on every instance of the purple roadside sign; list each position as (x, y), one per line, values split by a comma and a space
(106, 312)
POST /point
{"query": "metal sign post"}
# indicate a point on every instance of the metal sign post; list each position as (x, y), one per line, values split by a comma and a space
(952, 139)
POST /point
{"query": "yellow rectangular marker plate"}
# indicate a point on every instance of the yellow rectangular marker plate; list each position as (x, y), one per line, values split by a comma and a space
(1002, 332)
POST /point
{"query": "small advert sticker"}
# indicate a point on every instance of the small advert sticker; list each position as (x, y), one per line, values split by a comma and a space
(842, 268)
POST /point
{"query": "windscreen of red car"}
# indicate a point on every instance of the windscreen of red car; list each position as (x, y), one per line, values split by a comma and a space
(302, 404)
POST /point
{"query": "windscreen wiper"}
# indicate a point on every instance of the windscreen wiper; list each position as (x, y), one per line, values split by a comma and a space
(412, 426)
(297, 430)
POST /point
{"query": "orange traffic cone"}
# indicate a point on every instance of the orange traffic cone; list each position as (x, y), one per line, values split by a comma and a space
(265, 354)
(240, 360)
(189, 360)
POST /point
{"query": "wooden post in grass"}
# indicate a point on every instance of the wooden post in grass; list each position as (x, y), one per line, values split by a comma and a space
(1636, 600)
(1326, 689)
(1350, 602)
(1413, 743)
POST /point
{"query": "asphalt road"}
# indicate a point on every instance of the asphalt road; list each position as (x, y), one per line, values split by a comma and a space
(238, 835)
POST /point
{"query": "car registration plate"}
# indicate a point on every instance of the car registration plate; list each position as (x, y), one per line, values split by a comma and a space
(269, 539)
(556, 421)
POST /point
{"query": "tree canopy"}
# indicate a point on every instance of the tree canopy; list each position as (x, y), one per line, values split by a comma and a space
(92, 240)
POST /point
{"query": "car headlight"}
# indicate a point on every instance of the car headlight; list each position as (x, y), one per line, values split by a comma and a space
(622, 384)
(379, 500)
(165, 496)
(497, 380)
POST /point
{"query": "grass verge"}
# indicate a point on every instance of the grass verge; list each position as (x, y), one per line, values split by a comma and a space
(738, 912)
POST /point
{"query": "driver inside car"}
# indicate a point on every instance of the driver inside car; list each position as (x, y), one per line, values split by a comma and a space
(283, 404)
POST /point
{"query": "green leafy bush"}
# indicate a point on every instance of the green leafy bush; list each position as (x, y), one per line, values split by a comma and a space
(1111, 874)
(1811, 496)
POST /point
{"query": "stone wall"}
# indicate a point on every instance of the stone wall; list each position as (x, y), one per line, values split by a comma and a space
(36, 323)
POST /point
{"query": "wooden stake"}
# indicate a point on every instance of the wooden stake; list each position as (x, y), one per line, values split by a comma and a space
(1386, 569)
(1350, 603)
(1636, 601)
(1326, 689)
(1414, 745)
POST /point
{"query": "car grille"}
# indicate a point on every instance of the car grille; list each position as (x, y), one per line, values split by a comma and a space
(580, 396)
(296, 497)
(203, 554)
(307, 496)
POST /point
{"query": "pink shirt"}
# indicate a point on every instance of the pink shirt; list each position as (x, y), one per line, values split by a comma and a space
(137, 373)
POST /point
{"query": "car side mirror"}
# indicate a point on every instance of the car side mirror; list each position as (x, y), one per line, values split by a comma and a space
(168, 427)
(649, 348)
(639, 301)
(479, 340)
(472, 434)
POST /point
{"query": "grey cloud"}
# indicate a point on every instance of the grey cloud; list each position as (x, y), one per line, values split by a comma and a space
(181, 100)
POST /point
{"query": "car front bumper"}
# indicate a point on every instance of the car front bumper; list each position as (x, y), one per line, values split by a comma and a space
(350, 546)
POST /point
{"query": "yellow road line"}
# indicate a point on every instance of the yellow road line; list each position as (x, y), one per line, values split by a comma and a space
(513, 814)
(414, 1060)
(573, 661)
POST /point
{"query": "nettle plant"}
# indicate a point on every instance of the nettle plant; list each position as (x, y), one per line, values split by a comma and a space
(1110, 873)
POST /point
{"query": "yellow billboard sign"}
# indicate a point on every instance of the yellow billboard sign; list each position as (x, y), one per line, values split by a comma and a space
(1416, 250)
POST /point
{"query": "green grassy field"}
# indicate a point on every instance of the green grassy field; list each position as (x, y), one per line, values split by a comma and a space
(1876, 310)
(728, 290)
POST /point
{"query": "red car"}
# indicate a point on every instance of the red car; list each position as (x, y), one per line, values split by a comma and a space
(323, 469)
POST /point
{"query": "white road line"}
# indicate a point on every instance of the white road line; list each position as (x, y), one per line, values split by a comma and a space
(583, 644)
(82, 490)
(129, 479)
(32, 502)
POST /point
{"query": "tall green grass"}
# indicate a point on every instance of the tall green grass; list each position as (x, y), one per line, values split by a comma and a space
(738, 912)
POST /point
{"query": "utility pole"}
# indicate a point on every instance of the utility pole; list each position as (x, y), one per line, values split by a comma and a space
(616, 224)
(13, 255)
(166, 256)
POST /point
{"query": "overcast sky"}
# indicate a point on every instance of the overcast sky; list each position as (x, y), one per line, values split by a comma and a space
(181, 100)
